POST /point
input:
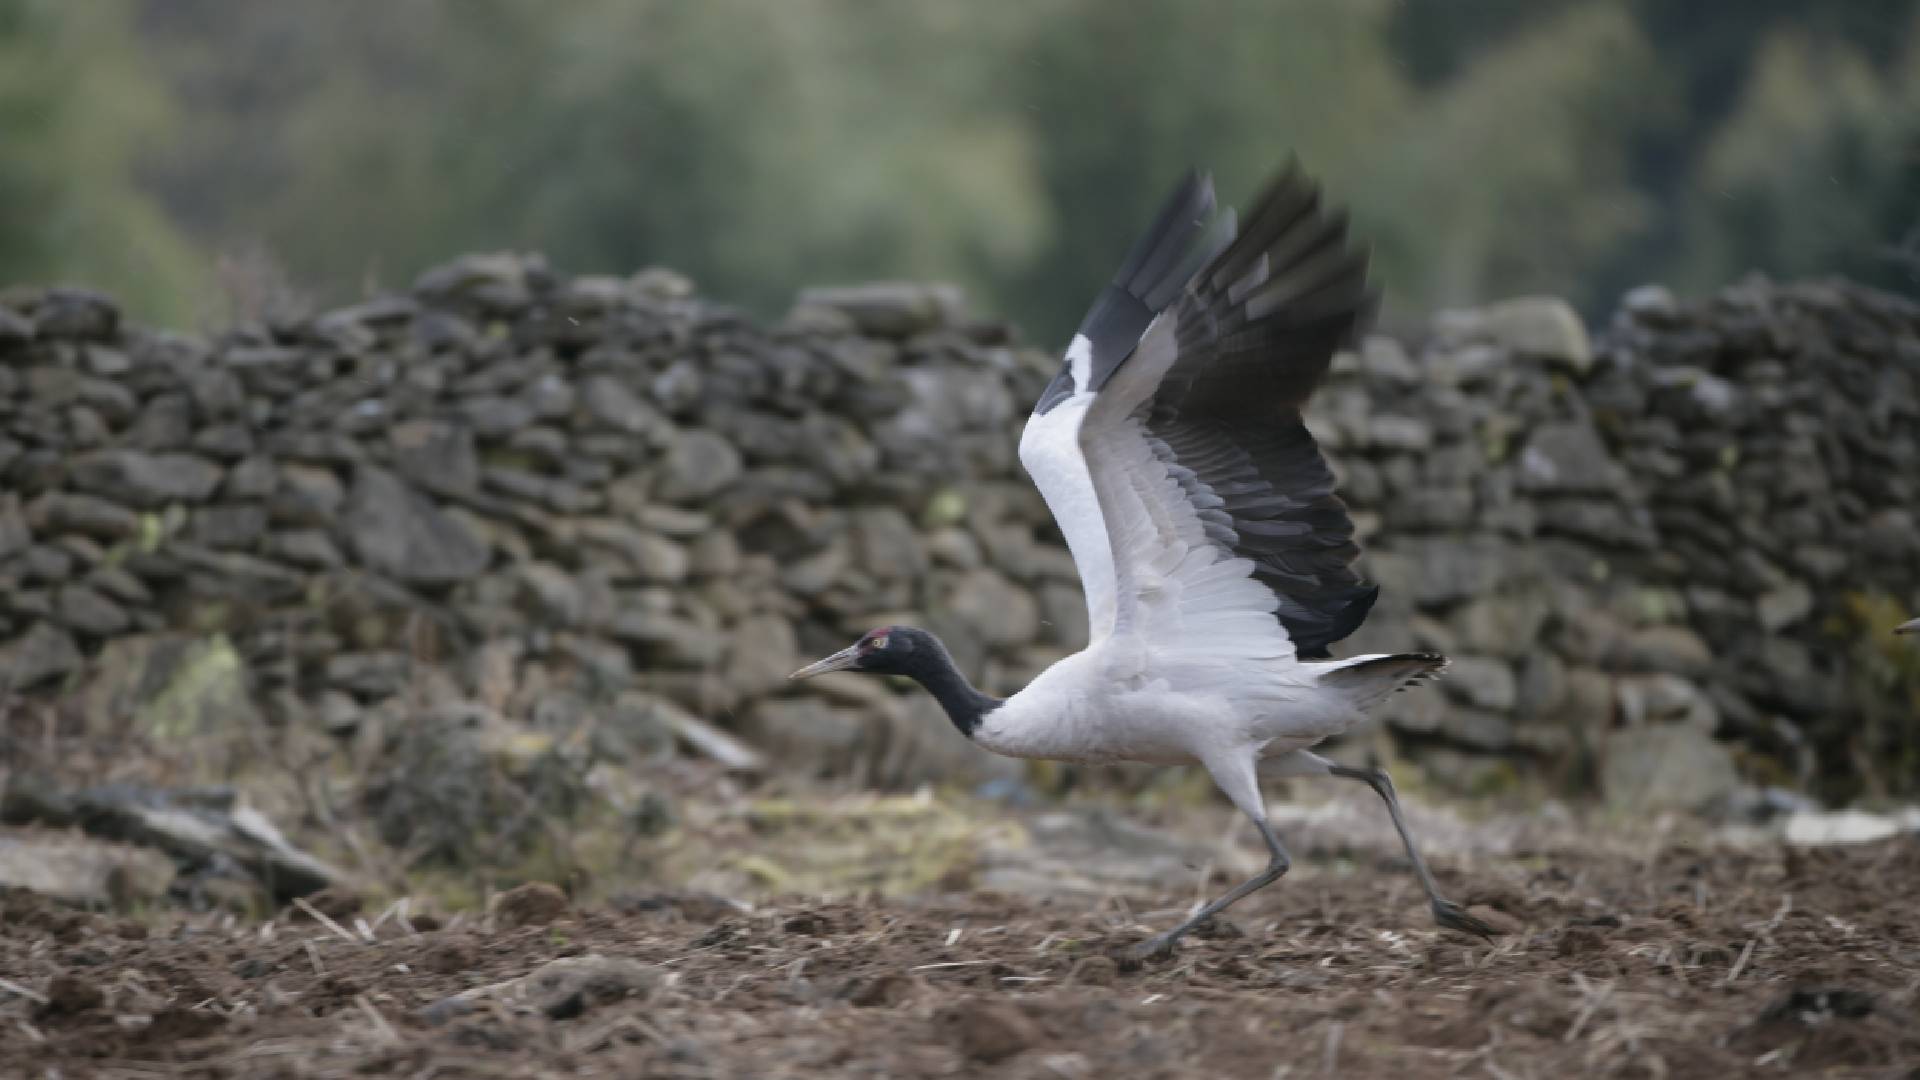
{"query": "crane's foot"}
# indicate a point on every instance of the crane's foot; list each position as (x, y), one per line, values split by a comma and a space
(1158, 947)
(1454, 917)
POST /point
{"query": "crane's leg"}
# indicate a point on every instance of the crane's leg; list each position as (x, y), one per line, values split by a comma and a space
(1238, 780)
(1445, 912)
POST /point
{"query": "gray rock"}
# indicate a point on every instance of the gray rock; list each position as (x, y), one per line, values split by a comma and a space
(818, 572)
(370, 675)
(117, 584)
(1001, 613)
(1541, 326)
(1644, 770)
(551, 593)
(435, 454)
(544, 445)
(1542, 687)
(699, 465)
(76, 314)
(552, 397)
(1417, 711)
(251, 360)
(557, 495)
(1821, 562)
(399, 532)
(761, 651)
(1642, 699)
(1567, 457)
(42, 654)
(1442, 570)
(146, 480)
(165, 423)
(76, 870)
(574, 985)
(43, 564)
(1673, 649)
(233, 527)
(81, 609)
(1480, 681)
(675, 522)
(1600, 522)
(607, 662)
(15, 330)
(1651, 304)
(1588, 635)
(86, 429)
(716, 554)
(309, 548)
(890, 309)
(1784, 606)
(308, 496)
(668, 640)
(253, 478)
(15, 534)
(886, 545)
(114, 403)
(500, 281)
(613, 405)
(1384, 360)
(1505, 624)
(83, 514)
(492, 417)
(1589, 705)
(650, 558)
(808, 735)
(27, 604)
(1435, 508)
(1477, 728)
(1409, 434)
(231, 575)
(319, 447)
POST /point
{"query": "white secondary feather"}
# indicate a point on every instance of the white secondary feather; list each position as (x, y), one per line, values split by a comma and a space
(1050, 451)
(1151, 577)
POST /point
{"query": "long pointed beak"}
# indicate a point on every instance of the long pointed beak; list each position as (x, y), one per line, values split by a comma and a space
(845, 658)
(1911, 626)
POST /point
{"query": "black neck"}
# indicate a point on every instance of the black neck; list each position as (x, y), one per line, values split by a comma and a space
(965, 706)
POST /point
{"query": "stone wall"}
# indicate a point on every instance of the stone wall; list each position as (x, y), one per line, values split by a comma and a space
(551, 496)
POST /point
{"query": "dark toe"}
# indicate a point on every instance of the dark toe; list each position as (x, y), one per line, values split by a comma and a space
(1454, 917)
(1158, 947)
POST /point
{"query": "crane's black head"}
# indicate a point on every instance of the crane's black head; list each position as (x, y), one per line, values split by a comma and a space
(889, 650)
(911, 651)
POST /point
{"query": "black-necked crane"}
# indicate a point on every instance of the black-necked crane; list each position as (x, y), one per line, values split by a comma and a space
(1216, 559)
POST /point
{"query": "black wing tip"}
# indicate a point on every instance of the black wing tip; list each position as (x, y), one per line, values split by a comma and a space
(1159, 262)
(1157, 251)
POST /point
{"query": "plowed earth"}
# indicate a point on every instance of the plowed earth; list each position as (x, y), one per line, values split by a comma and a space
(1713, 963)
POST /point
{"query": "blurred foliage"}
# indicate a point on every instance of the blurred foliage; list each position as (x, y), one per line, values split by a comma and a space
(79, 112)
(1885, 688)
(1487, 147)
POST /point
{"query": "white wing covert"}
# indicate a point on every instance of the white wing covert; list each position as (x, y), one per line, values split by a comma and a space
(1170, 447)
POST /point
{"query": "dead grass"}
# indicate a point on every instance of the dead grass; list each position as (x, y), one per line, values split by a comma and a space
(1686, 960)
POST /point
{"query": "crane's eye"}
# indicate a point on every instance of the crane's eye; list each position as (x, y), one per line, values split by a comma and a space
(878, 643)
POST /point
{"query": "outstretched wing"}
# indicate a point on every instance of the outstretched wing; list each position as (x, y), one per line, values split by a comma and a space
(1171, 447)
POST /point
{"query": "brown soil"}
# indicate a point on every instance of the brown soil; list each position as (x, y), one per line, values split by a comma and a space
(1690, 963)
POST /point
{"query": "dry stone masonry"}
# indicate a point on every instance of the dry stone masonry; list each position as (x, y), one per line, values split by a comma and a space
(1653, 556)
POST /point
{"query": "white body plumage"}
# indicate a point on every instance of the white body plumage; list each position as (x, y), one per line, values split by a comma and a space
(1214, 555)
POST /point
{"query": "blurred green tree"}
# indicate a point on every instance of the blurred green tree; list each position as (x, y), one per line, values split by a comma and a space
(78, 109)
(1486, 147)
(1817, 169)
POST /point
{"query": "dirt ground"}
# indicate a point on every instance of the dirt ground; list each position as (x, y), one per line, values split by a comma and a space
(1692, 962)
